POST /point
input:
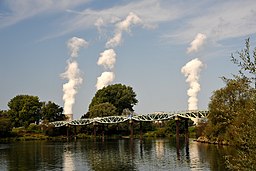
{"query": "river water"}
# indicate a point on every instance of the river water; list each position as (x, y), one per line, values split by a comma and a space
(112, 155)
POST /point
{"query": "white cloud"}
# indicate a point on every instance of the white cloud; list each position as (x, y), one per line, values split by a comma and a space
(219, 21)
(24, 9)
(151, 12)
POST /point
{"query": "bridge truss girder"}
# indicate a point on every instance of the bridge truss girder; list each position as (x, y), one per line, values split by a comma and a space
(159, 116)
(111, 119)
(152, 117)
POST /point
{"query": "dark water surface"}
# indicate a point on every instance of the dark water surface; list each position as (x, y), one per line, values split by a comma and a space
(116, 155)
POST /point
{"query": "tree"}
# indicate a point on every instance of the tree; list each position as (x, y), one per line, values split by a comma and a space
(5, 123)
(224, 106)
(120, 96)
(24, 109)
(52, 112)
(102, 109)
(232, 112)
(243, 136)
(246, 61)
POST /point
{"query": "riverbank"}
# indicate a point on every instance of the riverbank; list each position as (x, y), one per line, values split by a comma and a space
(203, 139)
(28, 136)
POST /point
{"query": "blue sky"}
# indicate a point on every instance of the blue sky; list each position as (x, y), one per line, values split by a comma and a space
(34, 36)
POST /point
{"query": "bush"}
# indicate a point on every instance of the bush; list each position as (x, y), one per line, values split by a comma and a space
(33, 128)
(5, 128)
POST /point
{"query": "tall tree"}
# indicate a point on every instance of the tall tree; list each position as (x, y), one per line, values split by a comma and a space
(232, 114)
(121, 96)
(246, 61)
(24, 109)
(52, 112)
(224, 106)
(242, 134)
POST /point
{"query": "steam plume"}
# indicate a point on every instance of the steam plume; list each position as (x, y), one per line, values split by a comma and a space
(191, 70)
(196, 43)
(105, 79)
(124, 25)
(72, 74)
(99, 23)
(107, 59)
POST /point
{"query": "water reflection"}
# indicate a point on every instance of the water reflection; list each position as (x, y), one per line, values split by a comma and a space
(68, 159)
(159, 148)
(111, 155)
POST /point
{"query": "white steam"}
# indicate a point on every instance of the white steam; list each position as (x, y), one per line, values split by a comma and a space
(191, 70)
(72, 74)
(105, 79)
(74, 44)
(196, 43)
(108, 58)
(99, 23)
(124, 25)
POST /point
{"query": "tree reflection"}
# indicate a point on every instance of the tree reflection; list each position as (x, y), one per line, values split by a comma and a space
(111, 155)
(33, 156)
(201, 154)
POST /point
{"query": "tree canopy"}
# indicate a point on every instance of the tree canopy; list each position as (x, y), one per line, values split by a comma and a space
(24, 109)
(5, 123)
(52, 112)
(102, 109)
(27, 109)
(232, 112)
(246, 61)
(225, 105)
(120, 96)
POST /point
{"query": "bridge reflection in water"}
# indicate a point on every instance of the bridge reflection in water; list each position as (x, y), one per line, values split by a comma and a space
(114, 154)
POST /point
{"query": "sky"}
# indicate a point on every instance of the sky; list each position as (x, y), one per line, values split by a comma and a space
(152, 40)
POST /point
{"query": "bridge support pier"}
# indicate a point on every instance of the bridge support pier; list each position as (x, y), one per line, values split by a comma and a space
(131, 128)
(103, 132)
(141, 131)
(68, 128)
(177, 120)
(186, 132)
(75, 132)
(94, 129)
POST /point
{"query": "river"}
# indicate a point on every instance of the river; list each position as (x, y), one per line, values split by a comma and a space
(112, 155)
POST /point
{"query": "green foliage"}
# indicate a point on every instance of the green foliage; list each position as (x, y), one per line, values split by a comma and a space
(232, 112)
(5, 124)
(121, 96)
(33, 128)
(224, 106)
(52, 112)
(246, 61)
(102, 109)
(198, 129)
(24, 109)
(243, 136)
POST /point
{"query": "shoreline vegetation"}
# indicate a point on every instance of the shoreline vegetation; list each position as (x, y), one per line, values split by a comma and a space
(25, 134)
(22, 134)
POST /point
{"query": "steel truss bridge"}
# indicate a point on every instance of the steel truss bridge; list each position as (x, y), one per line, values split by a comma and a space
(195, 115)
